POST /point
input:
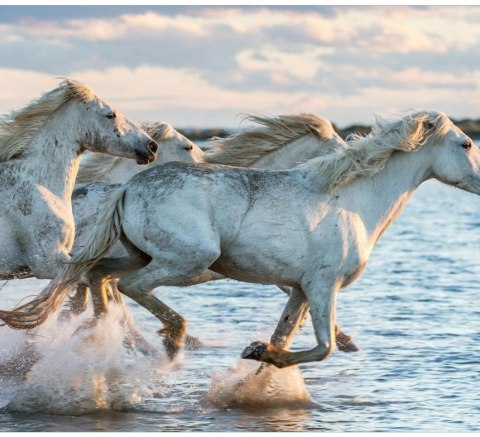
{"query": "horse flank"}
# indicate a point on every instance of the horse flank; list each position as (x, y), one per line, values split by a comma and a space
(245, 148)
(19, 126)
(367, 155)
(96, 165)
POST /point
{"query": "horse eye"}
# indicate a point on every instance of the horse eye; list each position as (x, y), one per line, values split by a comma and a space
(111, 115)
(467, 145)
(188, 148)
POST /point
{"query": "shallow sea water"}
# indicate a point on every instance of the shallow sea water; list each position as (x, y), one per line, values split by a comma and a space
(415, 315)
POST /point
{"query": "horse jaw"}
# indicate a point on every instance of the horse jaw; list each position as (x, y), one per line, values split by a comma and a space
(470, 183)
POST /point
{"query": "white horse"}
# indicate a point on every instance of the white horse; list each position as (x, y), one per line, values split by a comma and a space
(272, 143)
(312, 227)
(40, 147)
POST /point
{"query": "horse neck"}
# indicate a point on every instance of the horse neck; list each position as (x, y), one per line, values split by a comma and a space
(53, 155)
(123, 170)
(295, 153)
(381, 198)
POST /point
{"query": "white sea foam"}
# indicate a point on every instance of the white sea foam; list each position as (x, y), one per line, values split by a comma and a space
(246, 385)
(87, 369)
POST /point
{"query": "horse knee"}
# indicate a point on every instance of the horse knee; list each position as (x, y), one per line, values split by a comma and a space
(323, 350)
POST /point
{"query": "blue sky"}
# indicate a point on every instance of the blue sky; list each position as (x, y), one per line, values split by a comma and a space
(201, 66)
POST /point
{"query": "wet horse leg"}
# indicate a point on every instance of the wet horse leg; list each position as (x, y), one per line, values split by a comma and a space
(139, 286)
(322, 303)
(78, 303)
(114, 294)
(135, 339)
(292, 318)
(344, 342)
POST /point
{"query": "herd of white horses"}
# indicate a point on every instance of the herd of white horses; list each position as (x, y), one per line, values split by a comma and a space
(285, 202)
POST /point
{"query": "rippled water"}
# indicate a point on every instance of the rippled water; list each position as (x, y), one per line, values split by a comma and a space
(415, 315)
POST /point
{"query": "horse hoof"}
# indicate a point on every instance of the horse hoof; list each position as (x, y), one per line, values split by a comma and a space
(172, 342)
(171, 347)
(193, 343)
(255, 351)
(345, 344)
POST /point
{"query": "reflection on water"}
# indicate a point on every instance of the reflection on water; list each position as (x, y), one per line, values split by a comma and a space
(414, 315)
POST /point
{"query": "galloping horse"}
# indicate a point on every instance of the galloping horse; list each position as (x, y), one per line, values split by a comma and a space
(40, 147)
(272, 143)
(312, 227)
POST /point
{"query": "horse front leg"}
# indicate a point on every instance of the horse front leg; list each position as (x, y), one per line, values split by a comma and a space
(322, 303)
(294, 314)
(344, 342)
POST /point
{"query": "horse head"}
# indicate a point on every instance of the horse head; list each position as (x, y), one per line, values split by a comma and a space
(108, 131)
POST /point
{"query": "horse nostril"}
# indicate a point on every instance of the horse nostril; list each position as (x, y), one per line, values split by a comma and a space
(153, 146)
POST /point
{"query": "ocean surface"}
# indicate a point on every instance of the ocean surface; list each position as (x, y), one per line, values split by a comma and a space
(414, 313)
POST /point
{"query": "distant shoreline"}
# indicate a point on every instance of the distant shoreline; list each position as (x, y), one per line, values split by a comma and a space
(470, 126)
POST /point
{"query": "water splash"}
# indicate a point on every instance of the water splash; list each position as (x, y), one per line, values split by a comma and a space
(246, 384)
(81, 370)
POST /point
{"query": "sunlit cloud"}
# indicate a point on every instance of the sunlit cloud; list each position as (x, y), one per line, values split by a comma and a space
(203, 65)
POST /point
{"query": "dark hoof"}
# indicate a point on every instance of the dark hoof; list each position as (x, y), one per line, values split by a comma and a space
(171, 347)
(255, 351)
(345, 343)
(193, 343)
(172, 343)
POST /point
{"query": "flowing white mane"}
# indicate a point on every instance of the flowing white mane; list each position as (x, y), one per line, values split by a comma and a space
(367, 155)
(19, 126)
(247, 147)
(94, 166)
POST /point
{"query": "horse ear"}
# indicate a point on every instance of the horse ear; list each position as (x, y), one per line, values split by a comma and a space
(162, 130)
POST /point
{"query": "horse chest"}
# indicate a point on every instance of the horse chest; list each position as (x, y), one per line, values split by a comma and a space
(353, 274)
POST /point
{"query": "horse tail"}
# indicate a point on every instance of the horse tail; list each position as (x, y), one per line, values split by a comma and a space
(104, 235)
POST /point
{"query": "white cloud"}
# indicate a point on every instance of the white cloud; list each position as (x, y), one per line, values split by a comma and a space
(302, 65)
(186, 99)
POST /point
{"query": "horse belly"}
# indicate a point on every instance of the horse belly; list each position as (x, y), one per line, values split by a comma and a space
(261, 263)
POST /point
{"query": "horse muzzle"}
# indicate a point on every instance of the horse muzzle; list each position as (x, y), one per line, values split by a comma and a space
(146, 155)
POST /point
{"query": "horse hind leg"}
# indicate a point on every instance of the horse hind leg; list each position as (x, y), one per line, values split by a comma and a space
(139, 286)
(174, 324)
(98, 280)
(77, 304)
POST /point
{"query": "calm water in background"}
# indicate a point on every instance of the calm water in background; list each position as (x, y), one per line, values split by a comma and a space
(415, 315)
